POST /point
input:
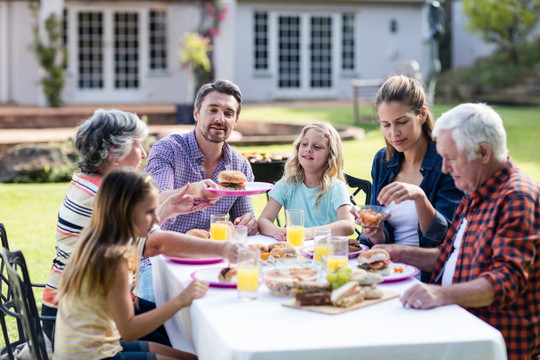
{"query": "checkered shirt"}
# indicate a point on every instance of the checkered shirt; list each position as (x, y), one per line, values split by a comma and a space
(502, 244)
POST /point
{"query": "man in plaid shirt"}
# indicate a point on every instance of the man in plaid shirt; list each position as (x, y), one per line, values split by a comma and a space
(489, 261)
(197, 158)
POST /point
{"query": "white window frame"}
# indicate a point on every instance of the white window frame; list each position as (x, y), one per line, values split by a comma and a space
(108, 91)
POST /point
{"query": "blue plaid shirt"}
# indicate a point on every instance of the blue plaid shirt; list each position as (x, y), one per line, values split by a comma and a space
(177, 160)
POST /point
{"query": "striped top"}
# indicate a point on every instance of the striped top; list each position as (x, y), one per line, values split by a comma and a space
(73, 216)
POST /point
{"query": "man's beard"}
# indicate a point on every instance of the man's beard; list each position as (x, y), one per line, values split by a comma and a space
(207, 136)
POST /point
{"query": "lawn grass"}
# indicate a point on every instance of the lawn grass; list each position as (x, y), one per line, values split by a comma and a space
(29, 211)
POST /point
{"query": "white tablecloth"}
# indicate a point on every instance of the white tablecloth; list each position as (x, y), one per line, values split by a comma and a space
(221, 326)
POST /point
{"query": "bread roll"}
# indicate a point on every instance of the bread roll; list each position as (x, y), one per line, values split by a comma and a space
(200, 233)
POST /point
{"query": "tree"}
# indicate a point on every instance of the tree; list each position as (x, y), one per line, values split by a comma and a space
(506, 23)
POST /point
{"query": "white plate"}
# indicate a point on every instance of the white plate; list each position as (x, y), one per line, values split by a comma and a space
(210, 275)
(408, 272)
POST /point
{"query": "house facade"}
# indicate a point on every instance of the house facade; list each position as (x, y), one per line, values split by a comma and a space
(127, 51)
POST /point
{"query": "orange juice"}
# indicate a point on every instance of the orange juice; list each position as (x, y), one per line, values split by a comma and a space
(320, 250)
(335, 260)
(248, 278)
(218, 231)
(295, 235)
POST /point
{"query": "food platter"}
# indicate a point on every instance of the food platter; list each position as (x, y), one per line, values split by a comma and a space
(307, 251)
(252, 188)
(187, 261)
(407, 272)
(210, 275)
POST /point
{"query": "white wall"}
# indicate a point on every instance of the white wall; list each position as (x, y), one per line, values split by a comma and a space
(466, 46)
(24, 70)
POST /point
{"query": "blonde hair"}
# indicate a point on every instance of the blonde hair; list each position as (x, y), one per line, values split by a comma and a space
(407, 91)
(294, 173)
(110, 236)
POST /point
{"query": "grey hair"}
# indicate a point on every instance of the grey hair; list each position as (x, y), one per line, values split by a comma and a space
(107, 137)
(221, 86)
(472, 124)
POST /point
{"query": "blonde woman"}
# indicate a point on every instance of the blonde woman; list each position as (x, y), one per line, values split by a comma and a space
(313, 181)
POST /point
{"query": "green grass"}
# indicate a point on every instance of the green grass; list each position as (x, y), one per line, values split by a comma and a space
(29, 211)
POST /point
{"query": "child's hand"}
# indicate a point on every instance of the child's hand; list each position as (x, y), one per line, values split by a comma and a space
(280, 234)
(308, 234)
(196, 290)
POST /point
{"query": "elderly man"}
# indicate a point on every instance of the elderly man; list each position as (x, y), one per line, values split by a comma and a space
(489, 261)
(203, 153)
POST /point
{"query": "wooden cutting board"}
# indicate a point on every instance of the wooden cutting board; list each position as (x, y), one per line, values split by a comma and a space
(334, 310)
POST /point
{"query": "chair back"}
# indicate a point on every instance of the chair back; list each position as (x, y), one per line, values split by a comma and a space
(7, 304)
(24, 302)
(359, 185)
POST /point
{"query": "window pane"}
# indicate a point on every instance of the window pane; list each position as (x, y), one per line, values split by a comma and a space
(158, 39)
(90, 50)
(126, 50)
(261, 41)
(321, 52)
(347, 46)
(289, 52)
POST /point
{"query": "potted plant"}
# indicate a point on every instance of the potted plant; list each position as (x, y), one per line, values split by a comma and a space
(195, 55)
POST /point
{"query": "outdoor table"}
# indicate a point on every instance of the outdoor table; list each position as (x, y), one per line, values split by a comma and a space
(221, 326)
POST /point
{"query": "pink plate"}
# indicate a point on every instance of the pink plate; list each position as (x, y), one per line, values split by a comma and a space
(210, 275)
(194, 261)
(252, 188)
(408, 272)
(307, 251)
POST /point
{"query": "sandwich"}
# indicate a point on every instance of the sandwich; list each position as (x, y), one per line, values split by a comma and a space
(200, 233)
(363, 277)
(312, 293)
(375, 260)
(281, 247)
(231, 180)
(229, 275)
(347, 295)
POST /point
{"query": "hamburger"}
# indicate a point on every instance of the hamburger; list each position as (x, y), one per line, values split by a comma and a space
(312, 293)
(375, 260)
(200, 233)
(347, 295)
(231, 180)
(228, 275)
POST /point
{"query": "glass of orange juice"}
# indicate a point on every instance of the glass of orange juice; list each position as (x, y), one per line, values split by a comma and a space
(219, 224)
(320, 241)
(248, 272)
(295, 227)
(339, 252)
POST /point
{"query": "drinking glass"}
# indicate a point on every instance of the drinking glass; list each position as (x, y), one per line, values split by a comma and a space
(320, 242)
(340, 252)
(237, 233)
(218, 226)
(295, 227)
(248, 272)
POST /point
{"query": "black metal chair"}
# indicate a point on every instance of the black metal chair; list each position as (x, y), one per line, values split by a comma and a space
(8, 306)
(23, 302)
(359, 185)
(269, 172)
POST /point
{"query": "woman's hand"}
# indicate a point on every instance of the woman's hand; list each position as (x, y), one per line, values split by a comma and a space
(179, 202)
(200, 188)
(375, 235)
(399, 192)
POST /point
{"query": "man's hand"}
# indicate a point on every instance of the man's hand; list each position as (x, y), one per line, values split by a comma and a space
(424, 296)
(249, 221)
